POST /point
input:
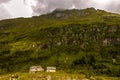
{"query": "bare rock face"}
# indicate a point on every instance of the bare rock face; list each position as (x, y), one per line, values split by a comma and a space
(62, 15)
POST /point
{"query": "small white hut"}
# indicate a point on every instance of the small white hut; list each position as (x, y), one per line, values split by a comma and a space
(114, 60)
(14, 77)
(34, 69)
(51, 69)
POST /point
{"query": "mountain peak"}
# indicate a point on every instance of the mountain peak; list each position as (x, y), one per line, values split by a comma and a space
(66, 13)
(87, 13)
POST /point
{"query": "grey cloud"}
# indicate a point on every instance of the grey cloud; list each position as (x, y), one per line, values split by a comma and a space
(45, 6)
(3, 1)
(114, 6)
(4, 12)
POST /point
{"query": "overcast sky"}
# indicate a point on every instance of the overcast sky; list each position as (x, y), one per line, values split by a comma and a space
(28, 8)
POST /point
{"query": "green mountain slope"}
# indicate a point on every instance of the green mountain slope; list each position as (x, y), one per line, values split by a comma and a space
(72, 40)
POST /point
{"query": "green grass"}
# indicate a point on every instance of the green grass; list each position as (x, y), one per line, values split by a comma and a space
(77, 41)
(55, 76)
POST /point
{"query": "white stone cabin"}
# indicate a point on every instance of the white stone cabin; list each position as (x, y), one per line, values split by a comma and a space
(34, 69)
(14, 77)
(51, 69)
(114, 60)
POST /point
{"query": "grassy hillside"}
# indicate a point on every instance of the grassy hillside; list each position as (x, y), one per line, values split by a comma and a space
(76, 41)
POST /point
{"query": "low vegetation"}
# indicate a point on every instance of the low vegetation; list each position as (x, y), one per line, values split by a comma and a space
(55, 76)
(75, 41)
